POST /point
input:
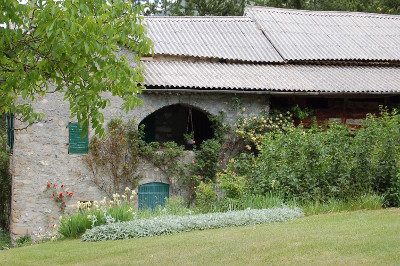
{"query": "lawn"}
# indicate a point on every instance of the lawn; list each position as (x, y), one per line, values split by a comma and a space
(360, 237)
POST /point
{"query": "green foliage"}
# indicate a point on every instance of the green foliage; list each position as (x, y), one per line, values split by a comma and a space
(363, 202)
(176, 206)
(206, 160)
(248, 201)
(232, 183)
(24, 240)
(75, 225)
(236, 7)
(219, 127)
(167, 157)
(252, 130)
(196, 7)
(301, 113)
(116, 155)
(5, 177)
(319, 165)
(75, 45)
(115, 210)
(205, 197)
(5, 240)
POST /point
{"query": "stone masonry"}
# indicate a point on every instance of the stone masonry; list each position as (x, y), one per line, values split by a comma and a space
(41, 152)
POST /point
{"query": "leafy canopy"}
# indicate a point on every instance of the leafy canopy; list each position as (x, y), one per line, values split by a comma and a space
(73, 44)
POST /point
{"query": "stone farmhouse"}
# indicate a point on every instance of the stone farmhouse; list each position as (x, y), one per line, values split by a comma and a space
(342, 65)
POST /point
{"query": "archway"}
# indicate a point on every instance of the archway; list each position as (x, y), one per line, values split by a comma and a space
(170, 123)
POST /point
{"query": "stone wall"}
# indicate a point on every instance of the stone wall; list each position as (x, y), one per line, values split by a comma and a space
(41, 153)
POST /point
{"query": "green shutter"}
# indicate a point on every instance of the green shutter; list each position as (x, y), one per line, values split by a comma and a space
(77, 145)
(152, 195)
(10, 131)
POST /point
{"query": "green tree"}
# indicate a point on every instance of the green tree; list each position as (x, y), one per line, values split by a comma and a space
(75, 45)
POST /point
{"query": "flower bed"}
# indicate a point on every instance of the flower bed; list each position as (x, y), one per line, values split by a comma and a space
(170, 224)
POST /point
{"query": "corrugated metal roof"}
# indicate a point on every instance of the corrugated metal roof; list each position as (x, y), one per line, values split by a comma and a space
(323, 35)
(284, 78)
(236, 38)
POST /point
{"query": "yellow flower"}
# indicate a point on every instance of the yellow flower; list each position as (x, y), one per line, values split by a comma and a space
(244, 109)
(248, 147)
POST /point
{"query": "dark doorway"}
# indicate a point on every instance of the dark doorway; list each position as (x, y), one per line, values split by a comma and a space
(172, 122)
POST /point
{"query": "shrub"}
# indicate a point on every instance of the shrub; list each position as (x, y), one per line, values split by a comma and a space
(248, 201)
(232, 183)
(321, 164)
(5, 241)
(176, 224)
(206, 160)
(205, 197)
(363, 202)
(24, 240)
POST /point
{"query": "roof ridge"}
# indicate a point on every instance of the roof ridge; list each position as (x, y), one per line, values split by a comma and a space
(199, 17)
(324, 12)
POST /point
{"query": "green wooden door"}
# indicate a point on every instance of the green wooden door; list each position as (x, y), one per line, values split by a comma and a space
(152, 194)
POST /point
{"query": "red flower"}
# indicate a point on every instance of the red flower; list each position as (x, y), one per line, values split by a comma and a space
(48, 185)
(61, 195)
(62, 185)
(70, 194)
(62, 208)
(53, 195)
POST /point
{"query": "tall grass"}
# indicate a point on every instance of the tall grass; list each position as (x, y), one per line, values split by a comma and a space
(266, 201)
(364, 202)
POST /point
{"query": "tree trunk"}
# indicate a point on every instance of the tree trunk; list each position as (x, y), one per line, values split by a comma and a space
(297, 4)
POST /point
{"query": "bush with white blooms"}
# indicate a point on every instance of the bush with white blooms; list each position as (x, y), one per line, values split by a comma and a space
(170, 224)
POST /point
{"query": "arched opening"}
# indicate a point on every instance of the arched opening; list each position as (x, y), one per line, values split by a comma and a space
(172, 122)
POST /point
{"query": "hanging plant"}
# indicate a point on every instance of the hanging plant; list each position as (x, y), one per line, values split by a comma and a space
(189, 138)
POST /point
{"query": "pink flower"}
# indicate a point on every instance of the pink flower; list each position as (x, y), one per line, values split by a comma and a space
(192, 160)
(199, 177)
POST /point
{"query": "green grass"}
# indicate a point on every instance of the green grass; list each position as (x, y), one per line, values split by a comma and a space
(360, 237)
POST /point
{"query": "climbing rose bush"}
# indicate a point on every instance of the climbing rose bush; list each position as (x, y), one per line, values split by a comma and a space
(171, 224)
(58, 194)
